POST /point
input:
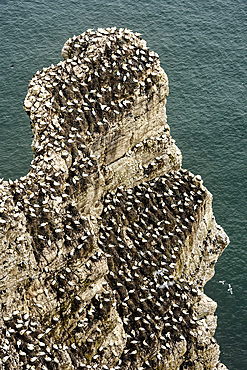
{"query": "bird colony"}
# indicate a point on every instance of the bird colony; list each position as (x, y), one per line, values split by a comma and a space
(106, 244)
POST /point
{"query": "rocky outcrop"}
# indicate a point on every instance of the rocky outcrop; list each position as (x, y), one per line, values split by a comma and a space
(106, 244)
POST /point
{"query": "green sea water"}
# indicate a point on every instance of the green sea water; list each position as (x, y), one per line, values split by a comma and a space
(202, 47)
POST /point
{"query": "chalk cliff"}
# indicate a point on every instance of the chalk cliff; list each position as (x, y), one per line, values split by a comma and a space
(106, 244)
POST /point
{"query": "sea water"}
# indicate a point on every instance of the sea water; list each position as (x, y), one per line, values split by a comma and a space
(202, 47)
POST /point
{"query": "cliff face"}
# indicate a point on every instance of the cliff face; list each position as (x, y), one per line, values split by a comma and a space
(106, 244)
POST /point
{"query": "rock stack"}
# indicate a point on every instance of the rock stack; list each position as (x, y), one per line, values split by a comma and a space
(106, 244)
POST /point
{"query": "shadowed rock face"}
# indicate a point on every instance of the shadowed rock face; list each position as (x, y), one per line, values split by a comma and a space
(106, 244)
